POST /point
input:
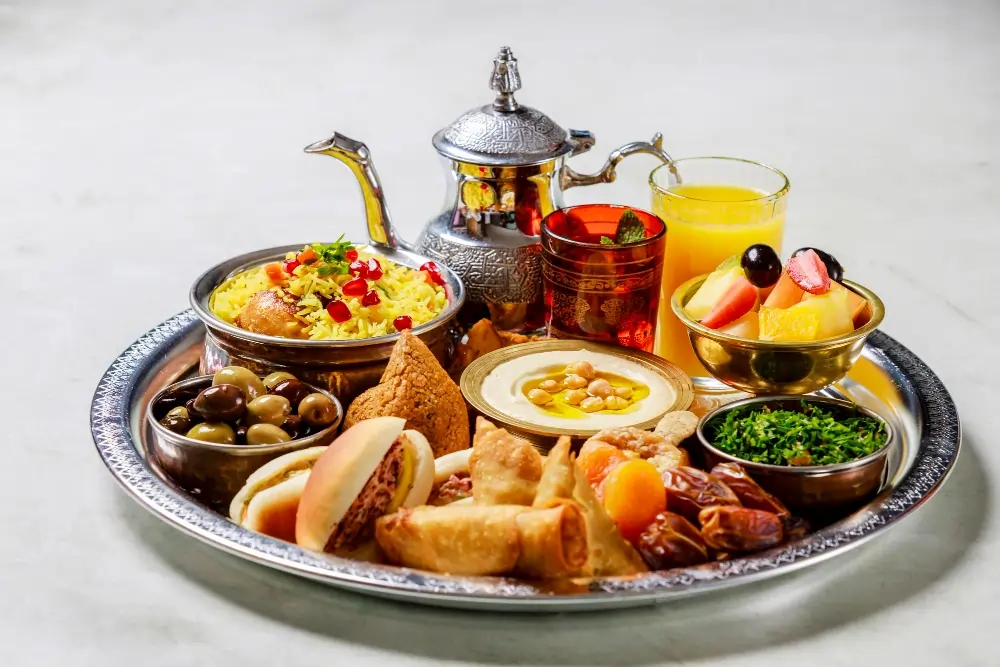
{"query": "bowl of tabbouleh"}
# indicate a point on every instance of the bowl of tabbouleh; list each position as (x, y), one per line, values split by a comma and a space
(814, 453)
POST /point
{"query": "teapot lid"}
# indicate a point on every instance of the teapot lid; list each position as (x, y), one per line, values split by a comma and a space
(504, 133)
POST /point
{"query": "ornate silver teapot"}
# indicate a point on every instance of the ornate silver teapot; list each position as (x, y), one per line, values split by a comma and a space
(507, 172)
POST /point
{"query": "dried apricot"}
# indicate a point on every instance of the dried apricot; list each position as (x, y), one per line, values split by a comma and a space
(596, 459)
(633, 495)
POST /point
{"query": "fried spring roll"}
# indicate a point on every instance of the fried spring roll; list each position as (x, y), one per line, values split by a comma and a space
(504, 469)
(553, 541)
(609, 553)
(543, 543)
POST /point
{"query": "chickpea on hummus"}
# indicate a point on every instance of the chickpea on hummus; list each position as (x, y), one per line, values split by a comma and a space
(582, 388)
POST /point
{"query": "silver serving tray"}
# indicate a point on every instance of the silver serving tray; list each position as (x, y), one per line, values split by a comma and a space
(889, 379)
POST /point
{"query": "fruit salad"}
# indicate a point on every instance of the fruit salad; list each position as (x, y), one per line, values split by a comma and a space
(754, 296)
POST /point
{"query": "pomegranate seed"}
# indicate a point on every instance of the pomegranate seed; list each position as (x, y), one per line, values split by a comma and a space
(339, 311)
(358, 268)
(403, 322)
(351, 255)
(355, 287)
(433, 271)
(290, 265)
(371, 298)
(374, 269)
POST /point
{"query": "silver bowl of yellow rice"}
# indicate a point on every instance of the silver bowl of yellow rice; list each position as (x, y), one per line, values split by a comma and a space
(324, 312)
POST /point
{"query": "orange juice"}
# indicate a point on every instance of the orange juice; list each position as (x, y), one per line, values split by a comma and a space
(705, 225)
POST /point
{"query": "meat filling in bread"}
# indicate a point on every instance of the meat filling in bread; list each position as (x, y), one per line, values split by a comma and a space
(359, 522)
(456, 487)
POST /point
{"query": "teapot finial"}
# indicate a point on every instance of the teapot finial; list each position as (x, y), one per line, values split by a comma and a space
(505, 80)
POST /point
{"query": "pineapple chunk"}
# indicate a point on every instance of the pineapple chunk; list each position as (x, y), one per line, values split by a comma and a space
(821, 316)
(790, 325)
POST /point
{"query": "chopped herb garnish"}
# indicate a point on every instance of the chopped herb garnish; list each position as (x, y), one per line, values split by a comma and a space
(810, 437)
(331, 269)
(383, 290)
(335, 252)
(333, 256)
(607, 240)
(630, 229)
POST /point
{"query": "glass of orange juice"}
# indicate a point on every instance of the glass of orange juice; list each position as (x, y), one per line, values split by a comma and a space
(714, 207)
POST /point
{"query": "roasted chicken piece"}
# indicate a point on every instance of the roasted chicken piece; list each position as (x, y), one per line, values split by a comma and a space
(267, 313)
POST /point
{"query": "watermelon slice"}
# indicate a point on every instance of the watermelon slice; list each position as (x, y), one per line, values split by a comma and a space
(738, 300)
(717, 284)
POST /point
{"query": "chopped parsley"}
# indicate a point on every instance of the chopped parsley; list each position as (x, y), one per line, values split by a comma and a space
(333, 256)
(810, 437)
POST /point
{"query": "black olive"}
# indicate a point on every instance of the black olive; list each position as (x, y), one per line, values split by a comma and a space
(176, 424)
(833, 267)
(192, 412)
(294, 426)
(291, 389)
(761, 265)
(221, 403)
(241, 435)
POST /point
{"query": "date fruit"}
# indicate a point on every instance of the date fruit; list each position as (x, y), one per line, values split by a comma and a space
(671, 541)
(690, 490)
(729, 528)
(747, 490)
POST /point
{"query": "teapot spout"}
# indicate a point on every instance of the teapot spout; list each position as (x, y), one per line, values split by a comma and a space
(357, 157)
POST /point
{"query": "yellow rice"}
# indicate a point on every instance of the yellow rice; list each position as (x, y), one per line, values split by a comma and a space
(404, 291)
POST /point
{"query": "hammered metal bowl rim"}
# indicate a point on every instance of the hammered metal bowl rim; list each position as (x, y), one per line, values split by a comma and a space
(797, 471)
(260, 257)
(938, 446)
(478, 369)
(875, 305)
(192, 443)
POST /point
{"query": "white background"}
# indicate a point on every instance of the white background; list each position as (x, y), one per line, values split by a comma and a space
(141, 142)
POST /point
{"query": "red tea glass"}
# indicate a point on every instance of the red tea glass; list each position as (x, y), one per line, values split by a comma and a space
(601, 293)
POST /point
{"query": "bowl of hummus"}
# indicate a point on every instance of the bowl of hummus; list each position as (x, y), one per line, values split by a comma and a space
(550, 388)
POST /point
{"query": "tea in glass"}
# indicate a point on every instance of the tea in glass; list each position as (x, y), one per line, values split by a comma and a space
(602, 271)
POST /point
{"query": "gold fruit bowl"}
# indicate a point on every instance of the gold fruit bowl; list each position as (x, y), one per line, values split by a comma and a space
(773, 367)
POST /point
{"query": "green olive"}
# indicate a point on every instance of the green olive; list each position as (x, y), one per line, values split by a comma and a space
(244, 378)
(268, 409)
(266, 434)
(179, 411)
(276, 377)
(317, 410)
(208, 432)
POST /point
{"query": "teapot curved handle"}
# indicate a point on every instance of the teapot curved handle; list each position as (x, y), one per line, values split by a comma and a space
(568, 178)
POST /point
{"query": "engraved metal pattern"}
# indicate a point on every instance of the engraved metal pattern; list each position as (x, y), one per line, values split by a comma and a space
(935, 418)
(528, 131)
(490, 274)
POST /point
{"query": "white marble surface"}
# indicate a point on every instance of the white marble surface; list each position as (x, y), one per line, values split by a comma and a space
(142, 141)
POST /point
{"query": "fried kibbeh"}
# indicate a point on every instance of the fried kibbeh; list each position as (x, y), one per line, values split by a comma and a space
(504, 469)
(416, 388)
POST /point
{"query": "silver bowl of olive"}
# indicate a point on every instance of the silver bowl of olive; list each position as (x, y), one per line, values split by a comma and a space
(210, 432)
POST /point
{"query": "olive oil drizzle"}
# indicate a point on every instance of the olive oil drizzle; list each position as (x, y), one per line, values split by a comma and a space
(558, 407)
